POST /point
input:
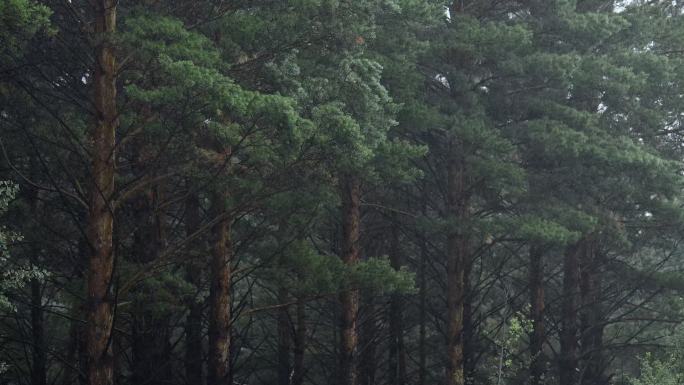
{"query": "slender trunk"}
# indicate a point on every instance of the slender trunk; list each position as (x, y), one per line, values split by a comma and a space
(422, 336)
(350, 191)
(457, 254)
(537, 337)
(568, 334)
(469, 341)
(70, 374)
(284, 339)
(76, 374)
(82, 355)
(368, 363)
(100, 216)
(38, 343)
(397, 353)
(590, 318)
(219, 296)
(193, 323)
(300, 344)
(39, 356)
(586, 316)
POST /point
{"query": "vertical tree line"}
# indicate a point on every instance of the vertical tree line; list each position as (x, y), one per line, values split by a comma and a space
(354, 192)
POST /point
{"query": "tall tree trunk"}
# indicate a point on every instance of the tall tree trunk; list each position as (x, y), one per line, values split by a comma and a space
(220, 296)
(193, 323)
(350, 190)
(38, 343)
(299, 344)
(284, 339)
(39, 354)
(568, 334)
(422, 332)
(457, 254)
(368, 362)
(591, 328)
(422, 288)
(538, 335)
(100, 216)
(469, 334)
(397, 353)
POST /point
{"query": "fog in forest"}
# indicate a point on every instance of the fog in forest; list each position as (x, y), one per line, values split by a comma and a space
(341, 192)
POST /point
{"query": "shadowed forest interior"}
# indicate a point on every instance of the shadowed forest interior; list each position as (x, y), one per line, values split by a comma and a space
(343, 192)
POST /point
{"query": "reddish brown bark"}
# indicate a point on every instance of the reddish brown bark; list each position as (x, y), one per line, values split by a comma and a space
(350, 190)
(100, 215)
(538, 335)
(568, 364)
(220, 296)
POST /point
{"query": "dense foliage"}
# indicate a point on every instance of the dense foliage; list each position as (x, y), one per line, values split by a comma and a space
(341, 192)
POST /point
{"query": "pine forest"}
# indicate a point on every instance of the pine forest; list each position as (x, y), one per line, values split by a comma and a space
(341, 192)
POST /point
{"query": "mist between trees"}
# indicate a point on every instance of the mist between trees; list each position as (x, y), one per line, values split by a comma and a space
(395, 192)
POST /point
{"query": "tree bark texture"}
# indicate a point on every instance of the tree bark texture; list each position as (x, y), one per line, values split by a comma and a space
(457, 254)
(350, 190)
(100, 216)
(368, 358)
(568, 365)
(220, 296)
(591, 328)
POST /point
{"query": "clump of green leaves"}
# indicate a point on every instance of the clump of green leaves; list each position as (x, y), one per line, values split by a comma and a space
(312, 273)
(19, 21)
(654, 371)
